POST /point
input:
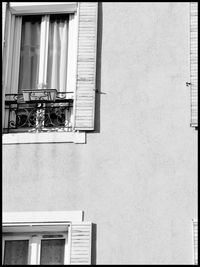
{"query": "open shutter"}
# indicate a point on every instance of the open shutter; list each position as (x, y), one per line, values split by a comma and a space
(81, 238)
(86, 66)
(194, 62)
(195, 241)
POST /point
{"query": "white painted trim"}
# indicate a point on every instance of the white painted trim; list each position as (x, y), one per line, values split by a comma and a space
(76, 66)
(34, 227)
(23, 8)
(34, 250)
(69, 244)
(72, 58)
(52, 137)
(72, 53)
(42, 216)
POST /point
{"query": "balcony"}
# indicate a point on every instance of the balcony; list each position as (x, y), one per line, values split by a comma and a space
(38, 111)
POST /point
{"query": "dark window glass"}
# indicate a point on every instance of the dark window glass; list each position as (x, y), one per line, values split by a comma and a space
(52, 252)
(16, 252)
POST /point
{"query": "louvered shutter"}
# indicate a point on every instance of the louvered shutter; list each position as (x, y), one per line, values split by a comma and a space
(194, 62)
(86, 66)
(195, 241)
(81, 238)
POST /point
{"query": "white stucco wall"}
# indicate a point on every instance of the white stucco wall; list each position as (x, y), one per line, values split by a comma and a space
(136, 177)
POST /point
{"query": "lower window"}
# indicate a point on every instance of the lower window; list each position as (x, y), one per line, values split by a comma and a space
(16, 252)
(34, 248)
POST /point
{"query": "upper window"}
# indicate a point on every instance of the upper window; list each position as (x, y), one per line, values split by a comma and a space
(43, 52)
(39, 62)
(49, 66)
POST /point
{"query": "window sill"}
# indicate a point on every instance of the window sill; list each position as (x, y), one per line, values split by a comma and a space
(36, 138)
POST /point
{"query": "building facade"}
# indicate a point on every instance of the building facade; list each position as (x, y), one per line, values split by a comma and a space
(114, 175)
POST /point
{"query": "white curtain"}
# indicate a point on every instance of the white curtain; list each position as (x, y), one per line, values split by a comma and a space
(16, 55)
(57, 55)
(12, 66)
(29, 54)
(32, 63)
(12, 57)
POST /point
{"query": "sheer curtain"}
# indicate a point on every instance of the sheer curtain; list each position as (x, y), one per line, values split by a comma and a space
(29, 53)
(57, 53)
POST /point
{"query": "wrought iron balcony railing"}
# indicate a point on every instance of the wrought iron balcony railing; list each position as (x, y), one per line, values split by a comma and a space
(39, 114)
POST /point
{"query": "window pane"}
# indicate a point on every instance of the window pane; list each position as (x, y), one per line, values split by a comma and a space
(52, 251)
(30, 52)
(16, 252)
(57, 52)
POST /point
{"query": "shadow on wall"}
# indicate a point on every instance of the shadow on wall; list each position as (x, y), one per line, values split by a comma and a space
(98, 69)
(94, 242)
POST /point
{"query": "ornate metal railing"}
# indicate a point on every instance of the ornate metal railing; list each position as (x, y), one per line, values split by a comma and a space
(38, 115)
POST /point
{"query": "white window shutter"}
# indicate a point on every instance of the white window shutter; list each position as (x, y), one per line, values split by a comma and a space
(194, 62)
(86, 66)
(81, 238)
(195, 241)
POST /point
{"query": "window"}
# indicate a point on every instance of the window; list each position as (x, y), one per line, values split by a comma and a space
(52, 251)
(46, 238)
(40, 57)
(49, 66)
(16, 251)
(42, 249)
(43, 52)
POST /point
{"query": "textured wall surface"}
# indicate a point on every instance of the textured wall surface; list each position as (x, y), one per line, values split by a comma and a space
(136, 178)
